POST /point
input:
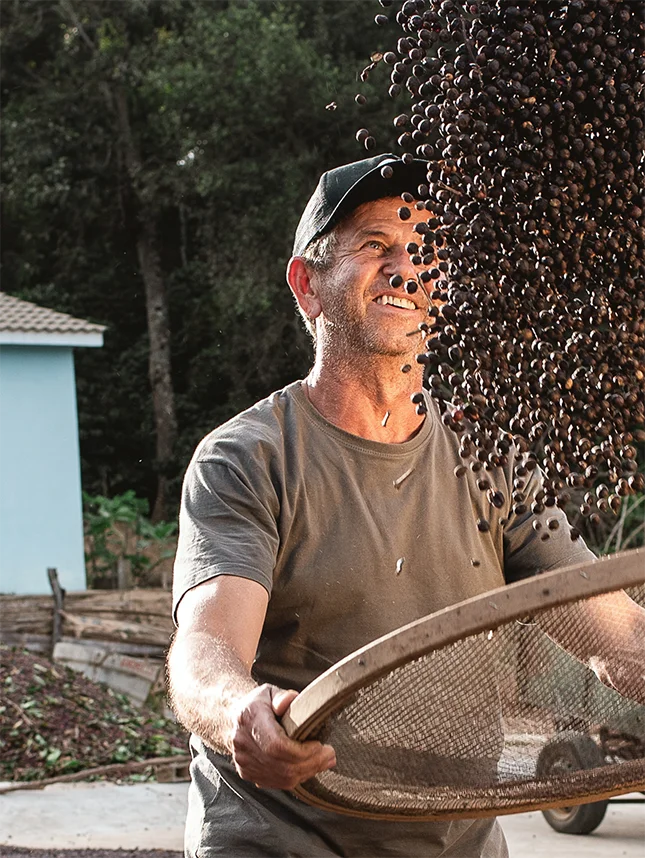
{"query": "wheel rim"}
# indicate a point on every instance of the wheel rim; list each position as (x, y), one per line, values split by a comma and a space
(561, 813)
(560, 766)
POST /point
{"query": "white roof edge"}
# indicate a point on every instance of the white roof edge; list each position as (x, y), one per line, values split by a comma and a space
(50, 338)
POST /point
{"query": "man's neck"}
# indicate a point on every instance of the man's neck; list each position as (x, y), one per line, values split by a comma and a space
(371, 400)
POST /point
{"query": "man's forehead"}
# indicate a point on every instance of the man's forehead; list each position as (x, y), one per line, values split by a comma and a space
(384, 204)
(377, 215)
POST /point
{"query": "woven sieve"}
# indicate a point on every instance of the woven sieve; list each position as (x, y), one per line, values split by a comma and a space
(475, 711)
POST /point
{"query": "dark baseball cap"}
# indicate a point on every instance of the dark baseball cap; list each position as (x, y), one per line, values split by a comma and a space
(344, 188)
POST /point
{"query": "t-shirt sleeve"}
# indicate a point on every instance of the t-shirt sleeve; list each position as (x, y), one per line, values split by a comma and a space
(227, 525)
(528, 551)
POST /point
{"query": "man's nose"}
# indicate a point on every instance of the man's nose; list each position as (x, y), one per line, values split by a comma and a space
(400, 262)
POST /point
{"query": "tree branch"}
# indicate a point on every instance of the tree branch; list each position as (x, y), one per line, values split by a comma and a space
(113, 768)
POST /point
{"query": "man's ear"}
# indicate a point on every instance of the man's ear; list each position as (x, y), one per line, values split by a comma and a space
(301, 283)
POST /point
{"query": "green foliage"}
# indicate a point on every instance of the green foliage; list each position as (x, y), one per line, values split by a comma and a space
(120, 539)
(228, 105)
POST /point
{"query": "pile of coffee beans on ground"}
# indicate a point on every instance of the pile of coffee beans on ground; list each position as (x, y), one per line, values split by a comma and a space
(54, 721)
(18, 852)
(531, 233)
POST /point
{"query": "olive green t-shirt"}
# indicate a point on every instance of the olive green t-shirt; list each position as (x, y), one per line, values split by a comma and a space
(351, 539)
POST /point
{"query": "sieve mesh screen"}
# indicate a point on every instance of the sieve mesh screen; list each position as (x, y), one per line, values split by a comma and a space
(496, 722)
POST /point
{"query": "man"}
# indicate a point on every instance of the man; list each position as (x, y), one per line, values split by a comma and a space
(318, 520)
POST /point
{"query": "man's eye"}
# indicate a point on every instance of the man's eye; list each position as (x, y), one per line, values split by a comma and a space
(377, 245)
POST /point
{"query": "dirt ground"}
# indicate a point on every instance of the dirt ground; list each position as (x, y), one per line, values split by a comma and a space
(14, 852)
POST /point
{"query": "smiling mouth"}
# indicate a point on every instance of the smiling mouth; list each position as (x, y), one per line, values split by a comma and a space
(403, 303)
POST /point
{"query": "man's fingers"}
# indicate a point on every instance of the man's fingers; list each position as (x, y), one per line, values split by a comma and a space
(272, 742)
(279, 773)
(279, 763)
(281, 700)
(263, 752)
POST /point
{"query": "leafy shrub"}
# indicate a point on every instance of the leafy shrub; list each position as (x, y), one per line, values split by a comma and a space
(122, 546)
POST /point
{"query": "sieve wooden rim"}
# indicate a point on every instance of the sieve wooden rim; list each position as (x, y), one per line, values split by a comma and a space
(328, 692)
(485, 612)
(521, 804)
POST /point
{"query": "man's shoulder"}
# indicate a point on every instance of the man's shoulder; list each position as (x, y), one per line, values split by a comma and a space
(262, 427)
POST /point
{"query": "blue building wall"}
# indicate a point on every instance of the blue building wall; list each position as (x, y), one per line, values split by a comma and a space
(41, 518)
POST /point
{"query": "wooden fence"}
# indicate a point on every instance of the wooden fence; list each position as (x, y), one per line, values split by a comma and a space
(135, 622)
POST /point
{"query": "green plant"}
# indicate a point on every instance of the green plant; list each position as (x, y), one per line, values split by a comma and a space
(121, 542)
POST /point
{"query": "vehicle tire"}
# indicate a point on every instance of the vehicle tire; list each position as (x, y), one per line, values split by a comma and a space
(572, 752)
(581, 819)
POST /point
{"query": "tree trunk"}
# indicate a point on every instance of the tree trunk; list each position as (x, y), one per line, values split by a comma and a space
(163, 396)
(159, 364)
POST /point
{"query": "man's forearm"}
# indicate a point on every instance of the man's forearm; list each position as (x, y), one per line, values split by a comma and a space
(607, 633)
(207, 681)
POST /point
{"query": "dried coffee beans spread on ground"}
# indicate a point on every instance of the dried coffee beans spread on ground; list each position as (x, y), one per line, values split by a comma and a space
(530, 116)
(54, 722)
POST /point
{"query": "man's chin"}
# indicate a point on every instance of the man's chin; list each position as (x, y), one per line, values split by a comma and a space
(392, 347)
(404, 344)
(364, 341)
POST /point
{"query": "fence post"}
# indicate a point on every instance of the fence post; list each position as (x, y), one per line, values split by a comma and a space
(59, 595)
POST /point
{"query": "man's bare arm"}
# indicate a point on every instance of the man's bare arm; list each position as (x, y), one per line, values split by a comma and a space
(607, 633)
(214, 695)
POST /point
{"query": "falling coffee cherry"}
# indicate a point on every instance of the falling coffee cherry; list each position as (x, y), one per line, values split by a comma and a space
(531, 239)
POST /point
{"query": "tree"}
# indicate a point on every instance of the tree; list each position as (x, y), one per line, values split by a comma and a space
(157, 157)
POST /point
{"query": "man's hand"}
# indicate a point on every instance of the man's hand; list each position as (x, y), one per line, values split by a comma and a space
(607, 633)
(262, 751)
(625, 673)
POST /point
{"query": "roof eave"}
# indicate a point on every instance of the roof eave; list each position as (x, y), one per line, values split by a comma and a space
(80, 339)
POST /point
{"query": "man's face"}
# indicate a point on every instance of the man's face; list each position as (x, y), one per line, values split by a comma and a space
(361, 312)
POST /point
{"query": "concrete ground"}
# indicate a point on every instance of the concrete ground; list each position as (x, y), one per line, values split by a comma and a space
(96, 815)
(621, 834)
(150, 816)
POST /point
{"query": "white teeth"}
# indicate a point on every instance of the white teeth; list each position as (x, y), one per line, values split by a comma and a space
(396, 302)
